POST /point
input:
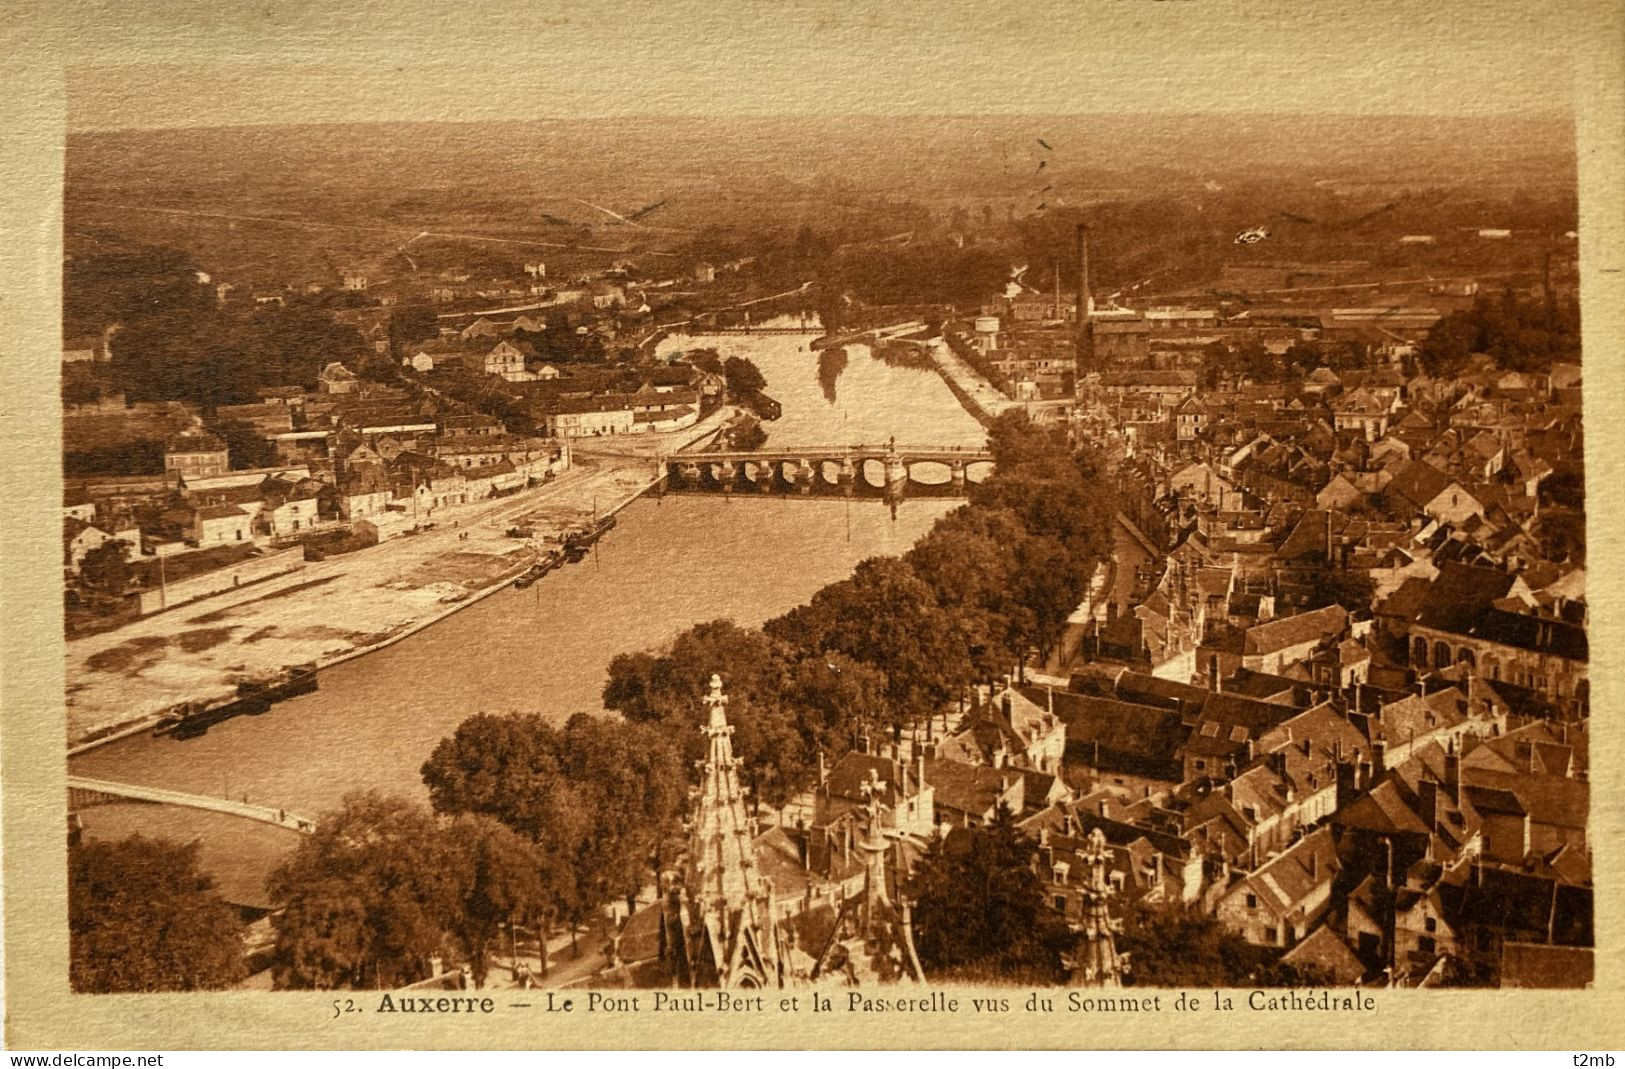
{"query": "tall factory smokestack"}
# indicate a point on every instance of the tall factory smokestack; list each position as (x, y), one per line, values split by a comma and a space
(1085, 301)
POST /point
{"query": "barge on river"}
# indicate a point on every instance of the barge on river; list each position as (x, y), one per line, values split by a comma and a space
(254, 697)
(550, 560)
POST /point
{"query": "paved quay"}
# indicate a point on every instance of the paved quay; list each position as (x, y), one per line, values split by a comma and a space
(345, 606)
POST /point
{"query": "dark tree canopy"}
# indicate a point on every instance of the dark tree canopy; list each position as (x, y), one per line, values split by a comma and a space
(1171, 947)
(246, 447)
(500, 880)
(596, 799)
(367, 898)
(1517, 335)
(1354, 590)
(980, 909)
(106, 568)
(143, 917)
(743, 376)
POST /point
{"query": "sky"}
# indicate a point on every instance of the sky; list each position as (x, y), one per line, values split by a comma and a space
(175, 63)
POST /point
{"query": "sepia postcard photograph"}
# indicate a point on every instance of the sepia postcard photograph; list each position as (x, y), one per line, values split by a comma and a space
(1055, 525)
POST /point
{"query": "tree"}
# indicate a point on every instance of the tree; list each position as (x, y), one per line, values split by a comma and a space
(143, 456)
(595, 800)
(499, 879)
(142, 916)
(367, 898)
(411, 325)
(634, 788)
(980, 910)
(1354, 590)
(1172, 947)
(107, 568)
(744, 378)
(707, 360)
(747, 435)
(509, 768)
(886, 616)
(967, 560)
(246, 447)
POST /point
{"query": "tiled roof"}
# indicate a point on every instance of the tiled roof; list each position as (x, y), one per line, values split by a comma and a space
(1292, 630)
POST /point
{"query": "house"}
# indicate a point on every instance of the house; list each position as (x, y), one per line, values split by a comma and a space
(78, 504)
(338, 379)
(1190, 419)
(194, 454)
(1360, 411)
(363, 491)
(382, 526)
(586, 417)
(505, 359)
(842, 797)
(426, 356)
(1321, 381)
(1325, 951)
(1125, 744)
(1200, 481)
(281, 395)
(80, 538)
(1018, 729)
(1422, 488)
(214, 525)
(969, 795)
(1224, 734)
(291, 506)
(1277, 644)
(1278, 904)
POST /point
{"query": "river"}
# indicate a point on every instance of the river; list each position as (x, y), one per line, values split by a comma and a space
(669, 564)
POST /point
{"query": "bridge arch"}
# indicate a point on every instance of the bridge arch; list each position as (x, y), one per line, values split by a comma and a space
(930, 473)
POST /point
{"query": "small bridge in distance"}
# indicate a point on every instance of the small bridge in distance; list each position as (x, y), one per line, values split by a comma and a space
(84, 793)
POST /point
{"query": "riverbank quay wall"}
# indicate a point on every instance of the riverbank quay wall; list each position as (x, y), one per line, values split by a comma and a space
(943, 359)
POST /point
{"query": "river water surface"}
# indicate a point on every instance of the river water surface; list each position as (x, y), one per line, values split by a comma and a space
(669, 564)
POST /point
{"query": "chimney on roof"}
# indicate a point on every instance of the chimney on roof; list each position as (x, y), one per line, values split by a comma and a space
(1314, 865)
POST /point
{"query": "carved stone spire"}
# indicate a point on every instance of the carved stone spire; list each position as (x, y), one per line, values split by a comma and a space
(727, 923)
(722, 865)
(1096, 962)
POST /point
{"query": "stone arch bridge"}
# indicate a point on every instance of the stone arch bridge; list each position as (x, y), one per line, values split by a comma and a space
(890, 471)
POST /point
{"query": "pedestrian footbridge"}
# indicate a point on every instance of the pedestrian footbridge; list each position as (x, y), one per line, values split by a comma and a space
(84, 793)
